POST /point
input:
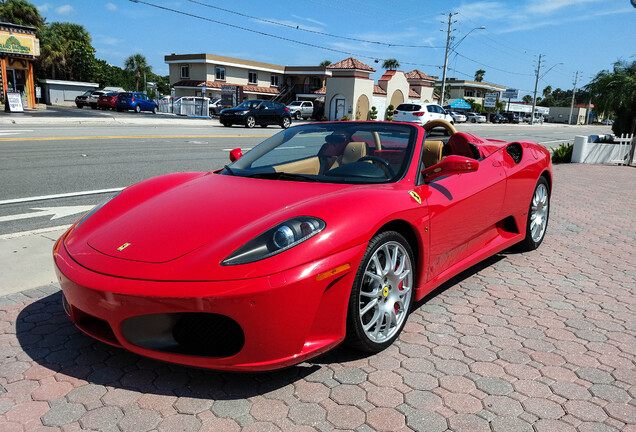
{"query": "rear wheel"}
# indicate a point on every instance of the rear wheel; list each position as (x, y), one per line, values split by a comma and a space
(137, 109)
(286, 122)
(538, 216)
(382, 293)
(250, 122)
(297, 115)
(79, 106)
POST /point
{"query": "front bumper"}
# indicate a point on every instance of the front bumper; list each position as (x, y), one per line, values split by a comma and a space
(283, 318)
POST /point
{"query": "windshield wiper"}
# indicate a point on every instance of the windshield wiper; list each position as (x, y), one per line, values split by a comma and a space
(228, 169)
(283, 176)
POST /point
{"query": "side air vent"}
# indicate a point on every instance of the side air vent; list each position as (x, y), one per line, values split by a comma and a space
(515, 151)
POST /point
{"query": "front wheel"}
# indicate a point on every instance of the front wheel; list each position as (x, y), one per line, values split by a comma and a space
(250, 122)
(154, 109)
(226, 124)
(538, 215)
(297, 115)
(286, 122)
(382, 293)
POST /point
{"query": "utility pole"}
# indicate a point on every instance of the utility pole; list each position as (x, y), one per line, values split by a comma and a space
(534, 98)
(448, 39)
(576, 78)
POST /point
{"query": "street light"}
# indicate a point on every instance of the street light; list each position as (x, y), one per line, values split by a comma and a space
(448, 48)
(536, 84)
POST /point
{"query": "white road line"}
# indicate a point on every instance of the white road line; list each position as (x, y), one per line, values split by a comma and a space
(242, 149)
(64, 195)
(33, 232)
(555, 141)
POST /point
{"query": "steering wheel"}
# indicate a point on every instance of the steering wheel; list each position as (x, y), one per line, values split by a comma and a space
(382, 163)
(450, 129)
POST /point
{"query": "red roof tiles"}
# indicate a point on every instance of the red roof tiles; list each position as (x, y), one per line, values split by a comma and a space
(351, 63)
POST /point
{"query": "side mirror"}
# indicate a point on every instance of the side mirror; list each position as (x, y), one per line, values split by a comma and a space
(236, 154)
(451, 165)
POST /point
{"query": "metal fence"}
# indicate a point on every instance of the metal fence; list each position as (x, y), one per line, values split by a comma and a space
(185, 106)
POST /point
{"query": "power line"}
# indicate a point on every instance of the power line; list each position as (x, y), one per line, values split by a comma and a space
(491, 67)
(295, 27)
(191, 15)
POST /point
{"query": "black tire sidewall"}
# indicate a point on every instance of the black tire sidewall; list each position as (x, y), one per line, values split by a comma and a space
(356, 336)
(528, 244)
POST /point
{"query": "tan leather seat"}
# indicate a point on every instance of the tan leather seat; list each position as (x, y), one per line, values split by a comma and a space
(432, 154)
(352, 152)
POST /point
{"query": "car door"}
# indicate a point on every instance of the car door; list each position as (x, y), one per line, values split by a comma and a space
(464, 210)
(266, 113)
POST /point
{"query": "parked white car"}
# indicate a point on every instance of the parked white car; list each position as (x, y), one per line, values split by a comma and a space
(420, 113)
(473, 117)
(458, 117)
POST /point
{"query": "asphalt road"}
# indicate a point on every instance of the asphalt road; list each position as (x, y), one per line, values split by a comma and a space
(64, 151)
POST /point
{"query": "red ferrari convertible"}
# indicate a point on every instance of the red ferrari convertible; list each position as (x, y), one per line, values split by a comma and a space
(323, 233)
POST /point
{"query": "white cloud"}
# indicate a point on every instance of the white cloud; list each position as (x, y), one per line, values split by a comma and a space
(545, 7)
(45, 7)
(65, 10)
(111, 6)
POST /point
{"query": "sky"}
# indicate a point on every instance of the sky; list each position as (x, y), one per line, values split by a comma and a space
(568, 36)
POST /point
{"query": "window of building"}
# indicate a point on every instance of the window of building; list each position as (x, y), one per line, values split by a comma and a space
(252, 77)
(469, 93)
(220, 73)
(275, 82)
(184, 71)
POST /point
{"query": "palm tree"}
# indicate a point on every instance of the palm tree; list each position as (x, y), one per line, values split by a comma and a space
(21, 12)
(56, 47)
(547, 91)
(137, 64)
(390, 64)
(325, 63)
(615, 92)
(527, 99)
(479, 75)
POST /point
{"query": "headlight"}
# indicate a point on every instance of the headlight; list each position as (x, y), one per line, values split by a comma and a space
(277, 239)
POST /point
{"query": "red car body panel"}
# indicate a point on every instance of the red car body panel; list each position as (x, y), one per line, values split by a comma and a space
(174, 231)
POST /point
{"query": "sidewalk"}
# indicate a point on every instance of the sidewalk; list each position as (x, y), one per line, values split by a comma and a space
(534, 342)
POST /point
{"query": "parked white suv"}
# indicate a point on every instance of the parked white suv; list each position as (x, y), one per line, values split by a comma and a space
(420, 113)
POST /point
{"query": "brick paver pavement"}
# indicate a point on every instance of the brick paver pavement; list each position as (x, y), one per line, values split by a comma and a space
(540, 341)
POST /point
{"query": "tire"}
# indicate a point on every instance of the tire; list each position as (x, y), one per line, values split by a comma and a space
(538, 215)
(120, 109)
(381, 298)
(154, 109)
(93, 106)
(297, 115)
(226, 124)
(285, 122)
(137, 109)
(79, 106)
(473, 121)
(250, 122)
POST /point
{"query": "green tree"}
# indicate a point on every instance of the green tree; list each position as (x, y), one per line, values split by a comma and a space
(547, 91)
(479, 75)
(390, 64)
(527, 99)
(21, 12)
(615, 92)
(325, 63)
(138, 65)
(59, 43)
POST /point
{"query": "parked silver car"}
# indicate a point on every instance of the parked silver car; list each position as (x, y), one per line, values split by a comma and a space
(475, 118)
(458, 117)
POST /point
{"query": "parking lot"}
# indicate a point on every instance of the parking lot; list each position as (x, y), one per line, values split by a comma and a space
(539, 341)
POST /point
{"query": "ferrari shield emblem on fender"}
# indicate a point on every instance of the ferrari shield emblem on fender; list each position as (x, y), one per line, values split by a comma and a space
(415, 196)
(122, 247)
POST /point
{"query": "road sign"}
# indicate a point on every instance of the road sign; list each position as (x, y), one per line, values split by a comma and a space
(490, 101)
(510, 94)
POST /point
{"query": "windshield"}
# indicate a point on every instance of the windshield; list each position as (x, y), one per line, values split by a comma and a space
(250, 104)
(296, 103)
(345, 152)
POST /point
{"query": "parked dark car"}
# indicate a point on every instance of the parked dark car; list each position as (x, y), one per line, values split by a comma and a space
(82, 100)
(257, 112)
(135, 101)
(512, 117)
(498, 118)
(107, 101)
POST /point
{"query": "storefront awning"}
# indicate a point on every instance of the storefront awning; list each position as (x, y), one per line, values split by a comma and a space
(460, 104)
